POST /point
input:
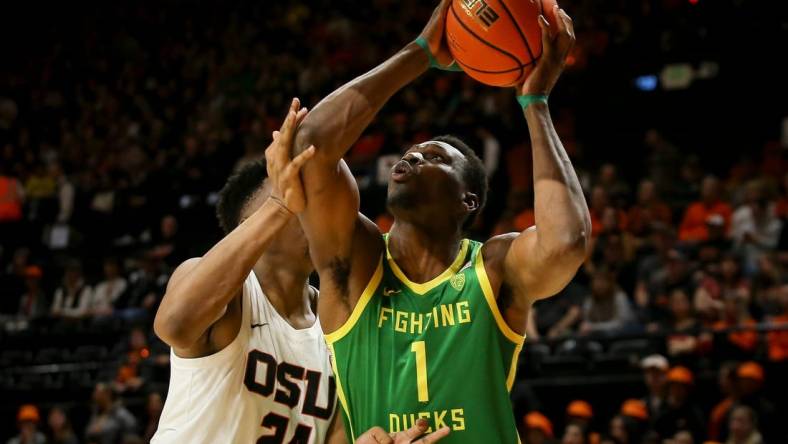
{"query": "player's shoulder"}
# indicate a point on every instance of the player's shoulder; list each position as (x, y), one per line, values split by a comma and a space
(496, 247)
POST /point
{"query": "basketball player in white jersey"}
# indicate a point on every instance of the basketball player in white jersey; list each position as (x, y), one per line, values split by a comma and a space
(248, 360)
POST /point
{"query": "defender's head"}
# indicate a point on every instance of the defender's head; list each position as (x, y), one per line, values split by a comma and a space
(245, 192)
(437, 180)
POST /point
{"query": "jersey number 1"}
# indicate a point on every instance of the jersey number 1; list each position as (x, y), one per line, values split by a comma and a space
(420, 349)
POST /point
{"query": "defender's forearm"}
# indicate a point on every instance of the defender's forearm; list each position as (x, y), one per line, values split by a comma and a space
(198, 299)
(339, 119)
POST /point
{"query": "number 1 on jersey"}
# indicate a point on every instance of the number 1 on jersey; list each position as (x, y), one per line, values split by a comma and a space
(420, 349)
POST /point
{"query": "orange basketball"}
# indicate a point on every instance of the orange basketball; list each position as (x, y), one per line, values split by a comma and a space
(497, 42)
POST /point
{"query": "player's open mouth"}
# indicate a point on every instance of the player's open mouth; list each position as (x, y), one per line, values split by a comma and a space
(402, 171)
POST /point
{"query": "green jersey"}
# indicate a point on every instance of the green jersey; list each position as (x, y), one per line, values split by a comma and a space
(440, 351)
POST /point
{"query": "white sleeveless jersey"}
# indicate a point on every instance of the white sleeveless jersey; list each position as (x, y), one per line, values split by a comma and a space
(273, 384)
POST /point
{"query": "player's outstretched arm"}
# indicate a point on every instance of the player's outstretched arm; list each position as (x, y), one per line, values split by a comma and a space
(540, 261)
(203, 292)
(344, 245)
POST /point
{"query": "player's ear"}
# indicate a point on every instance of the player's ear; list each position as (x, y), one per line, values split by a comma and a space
(471, 201)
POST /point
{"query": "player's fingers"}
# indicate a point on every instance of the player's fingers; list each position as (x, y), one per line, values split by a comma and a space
(435, 436)
(545, 27)
(302, 158)
(560, 26)
(417, 430)
(380, 436)
(569, 27)
(294, 105)
(301, 115)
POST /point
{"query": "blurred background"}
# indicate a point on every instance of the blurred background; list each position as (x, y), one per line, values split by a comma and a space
(120, 121)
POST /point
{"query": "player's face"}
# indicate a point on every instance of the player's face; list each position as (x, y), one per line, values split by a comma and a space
(429, 174)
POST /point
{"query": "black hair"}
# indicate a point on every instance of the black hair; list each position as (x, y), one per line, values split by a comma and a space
(237, 192)
(473, 173)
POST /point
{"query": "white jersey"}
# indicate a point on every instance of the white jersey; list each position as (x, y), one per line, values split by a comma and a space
(272, 384)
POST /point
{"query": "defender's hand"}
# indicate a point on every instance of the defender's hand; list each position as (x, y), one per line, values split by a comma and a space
(282, 171)
(376, 435)
(556, 44)
(435, 35)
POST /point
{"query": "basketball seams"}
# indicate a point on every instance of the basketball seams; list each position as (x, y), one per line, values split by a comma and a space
(517, 27)
(502, 51)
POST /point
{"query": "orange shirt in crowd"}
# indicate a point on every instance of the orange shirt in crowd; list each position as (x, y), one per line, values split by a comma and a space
(778, 340)
(639, 217)
(718, 416)
(744, 339)
(10, 200)
(693, 225)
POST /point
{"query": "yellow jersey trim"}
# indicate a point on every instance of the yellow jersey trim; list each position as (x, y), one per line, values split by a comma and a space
(441, 278)
(369, 291)
(507, 331)
(341, 392)
(513, 366)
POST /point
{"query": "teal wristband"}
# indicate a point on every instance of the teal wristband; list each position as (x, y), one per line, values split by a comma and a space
(528, 99)
(422, 42)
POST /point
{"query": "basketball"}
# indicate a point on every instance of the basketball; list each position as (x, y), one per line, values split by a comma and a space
(497, 42)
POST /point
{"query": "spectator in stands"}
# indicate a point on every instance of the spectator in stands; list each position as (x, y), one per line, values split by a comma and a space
(538, 429)
(682, 326)
(778, 339)
(751, 379)
(680, 412)
(744, 427)
(742, 341)
(13, 282)
(655, 369)
(653, 273)
(580, 412)
(167, 245)
(153, 409)
(675, 274)
(109, 289)
(33, 304)
(27, 420)
(682, 437)
(726, 381)
(607, 310)
(139, 362)
(648, 210)
(755, 227)
(600, 210)
(73, 298)
(558, 316)
(147, 283)
(12, 196)
(625, 430)
(575, 433)
(65, 193)
(693, 225)
(712, 249)
(60, 430)
(110, 421)
(614, 186)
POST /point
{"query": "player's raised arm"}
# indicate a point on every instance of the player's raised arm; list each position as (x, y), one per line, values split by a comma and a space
(343, 244)
(540, 261)
(201, 291)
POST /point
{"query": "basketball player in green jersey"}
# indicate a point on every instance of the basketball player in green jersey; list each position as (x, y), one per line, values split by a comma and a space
(423, 323)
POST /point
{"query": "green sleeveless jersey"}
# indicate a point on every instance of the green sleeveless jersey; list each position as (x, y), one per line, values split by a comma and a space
(440, 351)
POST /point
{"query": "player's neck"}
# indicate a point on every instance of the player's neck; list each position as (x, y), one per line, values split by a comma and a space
(286, 285)
(423, 255)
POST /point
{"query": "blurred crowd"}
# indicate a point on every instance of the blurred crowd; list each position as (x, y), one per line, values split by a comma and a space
(119, 125)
